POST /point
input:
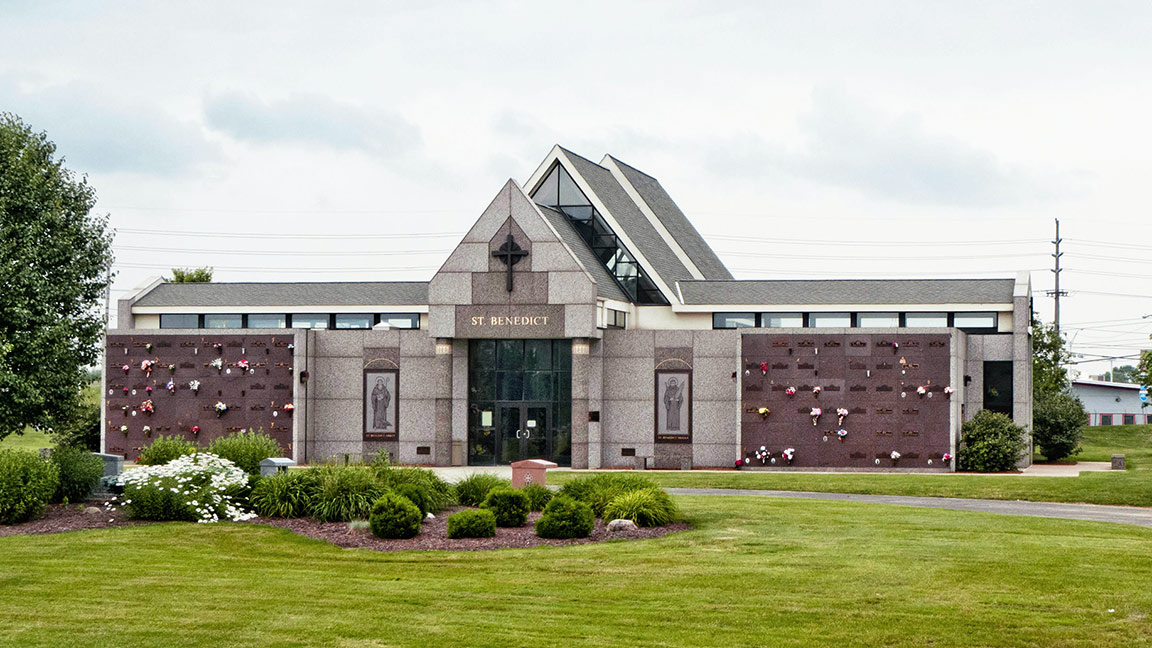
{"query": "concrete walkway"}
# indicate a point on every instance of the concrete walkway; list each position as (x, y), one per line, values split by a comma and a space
(1091, 512)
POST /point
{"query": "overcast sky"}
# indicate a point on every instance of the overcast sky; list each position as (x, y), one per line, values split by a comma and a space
(804, 140)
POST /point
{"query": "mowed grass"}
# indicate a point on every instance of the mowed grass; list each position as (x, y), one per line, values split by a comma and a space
(1129, 488)
(30, 440)
(754, 572)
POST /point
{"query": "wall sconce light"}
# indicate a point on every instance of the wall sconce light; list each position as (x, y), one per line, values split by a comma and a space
(304, 377)
(967, 380)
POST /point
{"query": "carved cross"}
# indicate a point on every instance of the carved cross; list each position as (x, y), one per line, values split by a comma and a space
(510, 253)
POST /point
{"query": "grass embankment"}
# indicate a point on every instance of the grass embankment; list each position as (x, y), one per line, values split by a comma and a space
(754, 572)
(34, 439)
(1130, 488)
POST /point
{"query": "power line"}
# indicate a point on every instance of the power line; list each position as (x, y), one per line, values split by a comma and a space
(756, 239)
(162, 266)
(265, 235)
(145, 248)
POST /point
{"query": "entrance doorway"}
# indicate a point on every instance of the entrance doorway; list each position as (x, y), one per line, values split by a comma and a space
(519, 401)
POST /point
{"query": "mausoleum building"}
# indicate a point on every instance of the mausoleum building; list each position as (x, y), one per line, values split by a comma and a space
(585, 320)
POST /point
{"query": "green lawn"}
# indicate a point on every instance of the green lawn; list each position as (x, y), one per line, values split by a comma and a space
(1131, 488)
(30, 440)
(754, 572)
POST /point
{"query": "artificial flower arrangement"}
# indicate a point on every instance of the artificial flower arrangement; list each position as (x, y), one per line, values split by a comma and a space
(791, 391)
(172, 368)
(217, 364)
(220, 408)
(946, 458)
(124, 430)
(922, 389)
(171, 386)
(146, 366)
(147, 430)
(895, 456)
(764, 412)
(841, 433)
(739, 463)
(126, 369)
(195, 429)
(948, 390)
(125, 410)
(895, 347)
(763, 455)
(841, 412)
(148, 347)
(816, 391)
(219, 347)
(194, 385)
(243, 364)
(148, 389)
(764, 367)
(815, 414)
(788, 453)
(288, 407)
(146, 407)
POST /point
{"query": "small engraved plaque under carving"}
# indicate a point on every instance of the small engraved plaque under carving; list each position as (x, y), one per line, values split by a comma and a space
(857, 388)
(884, 388)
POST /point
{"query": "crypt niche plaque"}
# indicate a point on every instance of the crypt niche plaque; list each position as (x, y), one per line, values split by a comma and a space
(673, 406)
(381, 404)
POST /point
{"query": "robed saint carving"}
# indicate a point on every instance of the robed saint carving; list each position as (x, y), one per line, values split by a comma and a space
(673, 399)
(381, 400)
(673, 405)
(380, 404)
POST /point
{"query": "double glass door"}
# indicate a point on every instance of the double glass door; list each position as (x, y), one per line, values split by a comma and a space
(525, 431)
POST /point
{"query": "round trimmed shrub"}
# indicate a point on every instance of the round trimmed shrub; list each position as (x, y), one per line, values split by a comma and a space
(472, 523)
(416, 495)
(1057, 422)
(538, 496)
(440, 493)
(990, 442)
(565, 518)
(650, 507)
(345, 493)
(286, 494)
(598, 490)
(509, 505)
(79, 470)
(246, 449)
(165, 449)
(473, 489)
(394, 516)
(27, 483)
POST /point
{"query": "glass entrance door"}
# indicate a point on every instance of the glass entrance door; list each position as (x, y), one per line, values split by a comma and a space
(525, 431)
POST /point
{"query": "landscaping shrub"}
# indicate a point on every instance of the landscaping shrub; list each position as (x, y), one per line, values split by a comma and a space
(286, 494)
(79, 470)
(82, 427)
(472, 523)
(538, 496)
(1057, 420)
(165, 449)
(990, 442)
(416, 495)
(564, 518)
(440, 493)
(509, 505)
(27, 483)
(650, 507)
(246, 450)
(394, 516)
(191, 488)
(473, 489)
(598, 490)
(345, 493)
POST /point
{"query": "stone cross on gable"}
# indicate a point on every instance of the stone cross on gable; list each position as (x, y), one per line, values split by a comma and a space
(510, 254)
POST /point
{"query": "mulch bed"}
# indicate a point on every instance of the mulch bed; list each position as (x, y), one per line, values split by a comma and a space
(434, 535)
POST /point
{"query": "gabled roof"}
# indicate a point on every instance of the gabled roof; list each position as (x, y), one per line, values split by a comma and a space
(367, 293)
(606, 285)
(674, 220)
(635, 225)
(1104, 383)
(848, 291)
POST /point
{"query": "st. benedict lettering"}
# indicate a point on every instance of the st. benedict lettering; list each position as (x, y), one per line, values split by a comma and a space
(515, 320)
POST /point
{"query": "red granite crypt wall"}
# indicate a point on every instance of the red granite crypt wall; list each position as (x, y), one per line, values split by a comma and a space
(256, 396)
(875, 377)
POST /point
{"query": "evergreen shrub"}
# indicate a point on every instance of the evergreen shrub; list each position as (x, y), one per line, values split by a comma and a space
(394, 516)
(473, 489)
(509, 505)
(416, 495)
(565, 518)
(472, 523)
(990, 442)
(440, 493)
(27, 484)
(166, 448)
(79, 471)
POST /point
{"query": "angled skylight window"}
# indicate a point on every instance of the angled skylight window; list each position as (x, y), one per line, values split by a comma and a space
(560, 192)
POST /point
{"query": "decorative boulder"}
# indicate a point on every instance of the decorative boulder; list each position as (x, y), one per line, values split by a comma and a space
(621, 526)
(92, 510)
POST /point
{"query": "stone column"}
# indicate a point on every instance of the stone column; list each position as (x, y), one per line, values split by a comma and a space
(442, 446)
(580, 377)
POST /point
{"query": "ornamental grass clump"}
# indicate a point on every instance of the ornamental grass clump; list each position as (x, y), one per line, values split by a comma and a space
(165, 449)
(538, 496)
(191, 488)
(79, 471)
(565, 518)
(509, 505)
(286, 494)
(345, 493)
(472, 523)
(473, 489)
(440, 493)
(394, 516)
(27, 484)
(650, 507)
(246, 449)
(598, 490)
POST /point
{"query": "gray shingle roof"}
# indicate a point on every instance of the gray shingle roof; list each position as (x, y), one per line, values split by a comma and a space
(379, 293)
(636, 225)
(606, 286)
(849, 291)
(677, 224)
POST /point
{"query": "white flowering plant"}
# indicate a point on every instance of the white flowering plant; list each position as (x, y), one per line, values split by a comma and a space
(198, 487)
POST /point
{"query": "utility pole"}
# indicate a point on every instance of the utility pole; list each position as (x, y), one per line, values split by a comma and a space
(1056, 271)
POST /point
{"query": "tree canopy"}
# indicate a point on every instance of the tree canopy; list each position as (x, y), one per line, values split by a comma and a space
(1122, 374)
(55, 260)
(190, 275)
(1049, 353)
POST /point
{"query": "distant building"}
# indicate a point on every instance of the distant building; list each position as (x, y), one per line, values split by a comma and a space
(1110, 403)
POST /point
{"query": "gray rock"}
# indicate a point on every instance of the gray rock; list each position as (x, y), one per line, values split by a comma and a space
(621, 526)
(92, 510)
(429, 516)
(1118, 462)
